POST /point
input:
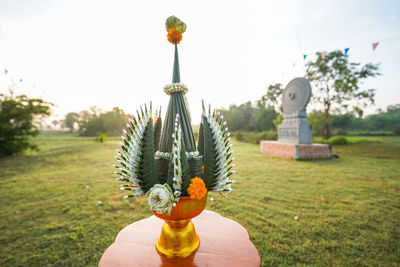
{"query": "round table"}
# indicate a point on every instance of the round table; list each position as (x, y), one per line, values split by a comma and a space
(223, 242)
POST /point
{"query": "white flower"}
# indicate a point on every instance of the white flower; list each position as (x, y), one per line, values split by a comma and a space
(160, 199)
(175, 87)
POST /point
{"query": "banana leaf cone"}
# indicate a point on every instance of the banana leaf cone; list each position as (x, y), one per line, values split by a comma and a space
(177, 105)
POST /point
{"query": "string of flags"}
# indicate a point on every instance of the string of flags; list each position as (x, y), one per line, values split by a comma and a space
(346, 51)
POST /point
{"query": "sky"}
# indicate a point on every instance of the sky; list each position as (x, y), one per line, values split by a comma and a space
(78, 54)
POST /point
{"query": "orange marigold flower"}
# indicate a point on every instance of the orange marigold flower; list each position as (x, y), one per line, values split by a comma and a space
(174, 36)
(197, 189)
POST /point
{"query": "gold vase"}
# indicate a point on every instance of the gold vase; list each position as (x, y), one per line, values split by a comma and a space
(178, 238)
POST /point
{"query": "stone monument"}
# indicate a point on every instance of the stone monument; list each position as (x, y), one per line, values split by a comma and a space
(294, 133)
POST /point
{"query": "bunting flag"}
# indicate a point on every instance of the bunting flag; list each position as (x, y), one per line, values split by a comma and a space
(323, 54)
(304, 56)
(346, 50)
(374, 46)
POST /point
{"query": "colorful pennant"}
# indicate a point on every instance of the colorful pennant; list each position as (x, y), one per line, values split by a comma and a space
(323, 54)
(374, 46)
(304, 56)
(346, 50)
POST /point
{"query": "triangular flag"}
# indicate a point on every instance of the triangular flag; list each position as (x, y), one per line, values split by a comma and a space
(304, 56)
(323, 54)
(374, 45)
(346, 50)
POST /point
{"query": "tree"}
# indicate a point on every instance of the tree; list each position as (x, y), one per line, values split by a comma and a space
(70, 120)
(336, 83)
(94, 123)
(17, 115)
(273, 97)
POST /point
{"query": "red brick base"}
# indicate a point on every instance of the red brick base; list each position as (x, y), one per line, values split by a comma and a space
(295, 151)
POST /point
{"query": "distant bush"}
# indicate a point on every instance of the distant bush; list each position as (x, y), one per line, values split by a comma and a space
(101, 138)
(363, 140)
(255, 137)
(338, 140)
(343, 140)
(372, 133)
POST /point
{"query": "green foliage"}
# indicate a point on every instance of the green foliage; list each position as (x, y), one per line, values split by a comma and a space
(157, 132)
(17, 122)
(372, 133)
(343, 140)
(338, 140)
(255, 137)
(186, 177)
(70, 120)
(277, 121)
(136, 160)
(200, 140)
(210, 154)
(336, 84)
(382, 123)
(265, 119)
(385, 121)
(273, 98)
(94, 123)
(101, 138)
(348, 208)
(146, 172)
(217, 153)
(248, 117)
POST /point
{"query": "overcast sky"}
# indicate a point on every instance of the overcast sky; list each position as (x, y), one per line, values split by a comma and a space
(78, 54)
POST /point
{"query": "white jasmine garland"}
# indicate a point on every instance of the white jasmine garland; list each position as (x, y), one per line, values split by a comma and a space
(175, 87)
(160, 198)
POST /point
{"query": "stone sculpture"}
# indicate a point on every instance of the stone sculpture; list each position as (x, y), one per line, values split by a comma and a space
(294, 128)
(294, 133)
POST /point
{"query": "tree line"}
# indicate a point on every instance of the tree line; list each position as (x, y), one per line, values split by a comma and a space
(336, 90)
(93, 122)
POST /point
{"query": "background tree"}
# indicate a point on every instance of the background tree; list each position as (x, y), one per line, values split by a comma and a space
(17, 115)
(273, 97)
(70, 120)
(336, 83)
(95, 123)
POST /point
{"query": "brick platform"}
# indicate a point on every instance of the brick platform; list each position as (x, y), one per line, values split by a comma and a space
(295, 151)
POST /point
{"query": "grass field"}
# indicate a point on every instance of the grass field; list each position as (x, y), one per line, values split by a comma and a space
(348, 209)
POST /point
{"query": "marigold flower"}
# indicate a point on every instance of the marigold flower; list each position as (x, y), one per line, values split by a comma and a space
(197, 189)
(174, 36)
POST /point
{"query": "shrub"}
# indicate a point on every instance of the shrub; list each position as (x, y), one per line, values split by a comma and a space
(373, 133)
(101, 138)
(343, 140)
(255, 137)
(17, 127)
(362, 140)
(338, 140)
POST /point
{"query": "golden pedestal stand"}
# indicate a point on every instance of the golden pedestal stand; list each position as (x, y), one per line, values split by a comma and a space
(178, 238)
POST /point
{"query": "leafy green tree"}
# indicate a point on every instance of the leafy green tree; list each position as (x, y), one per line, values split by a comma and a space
(70, 120)
(385, 121)
(265, 118)
(17, 115)
(336, 83)
(94, 123)
(273, 97)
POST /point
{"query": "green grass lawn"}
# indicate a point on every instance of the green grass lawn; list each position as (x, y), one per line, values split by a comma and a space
(348, 209)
